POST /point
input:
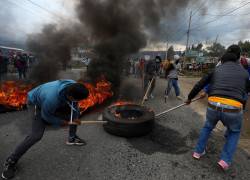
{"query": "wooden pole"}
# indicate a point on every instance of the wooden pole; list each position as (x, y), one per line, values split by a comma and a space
(171, 109)
(142, 77)
(146, 94)
(93, 122)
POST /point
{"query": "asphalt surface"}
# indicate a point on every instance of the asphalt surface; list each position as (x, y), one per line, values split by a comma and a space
(163, 154)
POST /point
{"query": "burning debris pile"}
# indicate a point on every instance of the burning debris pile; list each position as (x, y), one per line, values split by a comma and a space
(97, 94)
(13, 95)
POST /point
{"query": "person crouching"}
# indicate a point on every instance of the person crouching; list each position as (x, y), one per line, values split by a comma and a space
(46, 101)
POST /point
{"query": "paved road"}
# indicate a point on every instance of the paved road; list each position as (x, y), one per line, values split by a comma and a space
(163, 154)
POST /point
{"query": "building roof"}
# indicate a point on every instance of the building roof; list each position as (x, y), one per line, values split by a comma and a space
(11, 48)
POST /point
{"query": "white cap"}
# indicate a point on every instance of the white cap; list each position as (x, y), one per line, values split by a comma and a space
(176, 57)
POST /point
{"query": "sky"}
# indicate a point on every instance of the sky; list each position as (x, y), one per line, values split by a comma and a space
(226, 20)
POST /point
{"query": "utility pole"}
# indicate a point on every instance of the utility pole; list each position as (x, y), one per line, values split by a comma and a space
(166, 48)
(188, 31)
(216, 40)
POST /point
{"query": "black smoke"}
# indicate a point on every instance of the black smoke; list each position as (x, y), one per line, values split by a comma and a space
(114, 29)
(53, 49)
(120, 28)
(115, 34)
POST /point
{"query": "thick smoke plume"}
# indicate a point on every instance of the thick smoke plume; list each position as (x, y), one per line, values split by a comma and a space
(53, 49)
(119, 28)
(115, 29)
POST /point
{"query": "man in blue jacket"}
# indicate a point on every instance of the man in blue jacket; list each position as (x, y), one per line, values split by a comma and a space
(49, 100)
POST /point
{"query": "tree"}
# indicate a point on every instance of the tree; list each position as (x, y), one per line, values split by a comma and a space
(197, 48)
(245, 46)
(216, 50)
(170, 53)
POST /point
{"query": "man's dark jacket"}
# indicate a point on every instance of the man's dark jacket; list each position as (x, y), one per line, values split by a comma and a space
(228, 80)
(151, 67)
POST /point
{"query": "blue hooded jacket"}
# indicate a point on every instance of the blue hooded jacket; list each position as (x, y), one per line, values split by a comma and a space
(49, 97)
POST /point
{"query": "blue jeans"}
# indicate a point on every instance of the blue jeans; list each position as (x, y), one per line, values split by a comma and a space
(233, 122)
(174, 83)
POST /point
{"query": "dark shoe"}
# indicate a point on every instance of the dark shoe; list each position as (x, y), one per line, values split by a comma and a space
(10, 169)
(76, 141)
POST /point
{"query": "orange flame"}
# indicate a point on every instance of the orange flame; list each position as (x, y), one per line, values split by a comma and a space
(122, 103)
(97, 94)
(14, 94)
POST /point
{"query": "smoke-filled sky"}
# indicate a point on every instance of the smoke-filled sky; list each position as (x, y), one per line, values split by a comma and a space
(211, 18)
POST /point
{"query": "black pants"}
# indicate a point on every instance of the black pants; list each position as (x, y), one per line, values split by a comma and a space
(22, 73)
(36, 134)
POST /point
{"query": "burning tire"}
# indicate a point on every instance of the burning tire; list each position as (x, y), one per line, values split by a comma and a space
(128, 120)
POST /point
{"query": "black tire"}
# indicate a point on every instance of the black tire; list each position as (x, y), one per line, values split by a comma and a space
(125, 127)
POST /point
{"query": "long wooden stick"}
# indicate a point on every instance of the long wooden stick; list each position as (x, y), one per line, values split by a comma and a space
(71, 113)
(171, 109)
(146, 94)
(93, 122)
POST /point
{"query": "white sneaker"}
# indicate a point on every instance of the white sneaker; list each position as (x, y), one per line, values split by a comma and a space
(151, 96)
(165, 97)
(198, 155)
(179, 97)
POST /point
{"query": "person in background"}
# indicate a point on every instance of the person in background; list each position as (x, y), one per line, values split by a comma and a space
(3, 65)
(243, 61)
(172, 78)
(142, 67)
(137, 69)
(21, 65)
(150, 77)
(53, 103)
(248, 62)
(228, 84)
(158, 65)
(131, 70)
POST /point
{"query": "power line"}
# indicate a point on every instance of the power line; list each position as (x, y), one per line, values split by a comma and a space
(180, 29)
(27, 9)
(199, 8)
(197, 27)
(226, 15)
(46, 10)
